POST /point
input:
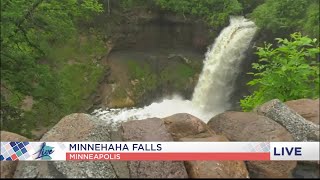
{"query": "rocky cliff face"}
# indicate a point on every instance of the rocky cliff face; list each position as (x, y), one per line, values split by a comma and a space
(152, 55)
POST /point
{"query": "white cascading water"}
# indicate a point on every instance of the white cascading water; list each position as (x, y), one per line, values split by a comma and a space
(215, 85)
(221, 65)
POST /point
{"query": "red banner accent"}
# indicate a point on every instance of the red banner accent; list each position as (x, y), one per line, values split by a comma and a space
(81, 156)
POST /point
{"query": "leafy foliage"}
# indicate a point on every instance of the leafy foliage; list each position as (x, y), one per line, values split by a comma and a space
(290, 71)
(28, 29)
(215, 12)
(133, 4)
(249, 5)
(311, 20)
(147, 79)
(176, 77)
(30, 32)
(288, 16)
(179, 75)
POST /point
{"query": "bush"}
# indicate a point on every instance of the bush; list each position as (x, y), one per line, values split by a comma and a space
(288, 72)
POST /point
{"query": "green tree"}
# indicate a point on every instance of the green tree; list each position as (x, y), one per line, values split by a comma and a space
(250, 5)
(288, 72)
(288, 16)
(311, 20)
(215, 12)
(30, 30)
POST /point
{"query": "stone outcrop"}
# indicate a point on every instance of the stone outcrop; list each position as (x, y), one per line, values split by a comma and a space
(241, 126)
(301, 129)
(8, 167)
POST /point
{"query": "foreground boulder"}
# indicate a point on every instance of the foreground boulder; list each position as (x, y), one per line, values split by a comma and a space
(300, 128)
(305, 169)
(74, 127)
(215, 169)
(8, 167)
(248, 126)
(242, 126)
(185, 127)
(307, 108)
(152, 129)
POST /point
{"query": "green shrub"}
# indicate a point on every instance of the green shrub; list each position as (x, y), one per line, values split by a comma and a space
(288, 72)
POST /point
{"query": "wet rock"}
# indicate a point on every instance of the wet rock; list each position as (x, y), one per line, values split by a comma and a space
(152, 129)
(8, 167)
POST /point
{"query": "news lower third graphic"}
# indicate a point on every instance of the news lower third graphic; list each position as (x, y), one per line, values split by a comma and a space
(178, 151)
(11, 151)
(44, 152)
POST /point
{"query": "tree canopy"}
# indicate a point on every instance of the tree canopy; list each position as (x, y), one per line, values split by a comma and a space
(30, 32)
(215, 12)
(28, 29)
(288, 16)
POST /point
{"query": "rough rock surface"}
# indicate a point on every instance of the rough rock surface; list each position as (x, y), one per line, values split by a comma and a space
(241, 126)
(307, 108)
(307, 170)
(215, 169)
(7, 167)
(74, 127)
(185, 125)
(152, 129)
(300, 129)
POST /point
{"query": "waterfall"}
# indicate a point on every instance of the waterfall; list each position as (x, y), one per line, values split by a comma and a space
(215, 85)
(221, 65)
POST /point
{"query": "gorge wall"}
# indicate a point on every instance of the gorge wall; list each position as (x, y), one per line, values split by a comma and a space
(152, 56)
